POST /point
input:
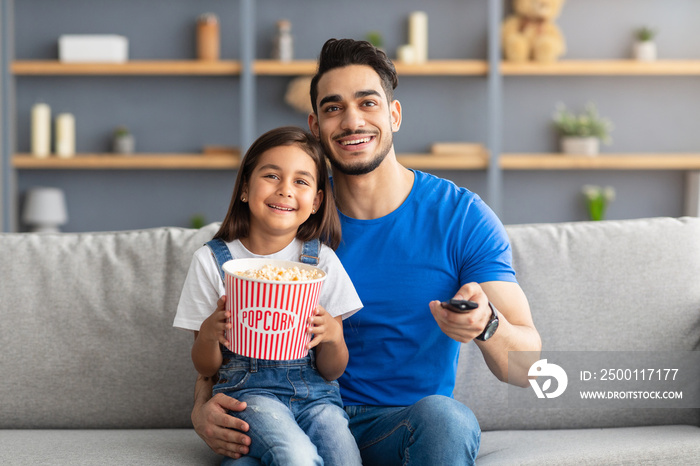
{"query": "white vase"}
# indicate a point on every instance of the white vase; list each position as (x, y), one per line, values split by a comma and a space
(580, 145)
(645, 50)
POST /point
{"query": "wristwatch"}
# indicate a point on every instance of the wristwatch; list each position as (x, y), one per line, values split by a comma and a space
(491, 326)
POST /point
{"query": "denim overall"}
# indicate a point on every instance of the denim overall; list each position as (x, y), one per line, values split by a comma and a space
(295, 415)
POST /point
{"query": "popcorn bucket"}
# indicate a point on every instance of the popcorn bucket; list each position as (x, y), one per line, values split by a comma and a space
(269, 317)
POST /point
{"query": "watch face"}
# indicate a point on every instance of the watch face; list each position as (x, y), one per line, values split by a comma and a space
(490, 329)
(491, 326)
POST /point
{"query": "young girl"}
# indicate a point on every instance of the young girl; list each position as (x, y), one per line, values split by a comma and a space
(282, 199)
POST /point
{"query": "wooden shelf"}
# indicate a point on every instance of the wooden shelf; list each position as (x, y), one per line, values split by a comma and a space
(209, 162)
(603, 68)
(444, 68)
(431, 68)
(279, 68)
(442, 162)
(148, 161)
(671, 161)
(135, 67)
(308, 67)
(230, 67)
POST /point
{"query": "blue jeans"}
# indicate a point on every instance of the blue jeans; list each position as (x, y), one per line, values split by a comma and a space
(435, 431)
(295, 415)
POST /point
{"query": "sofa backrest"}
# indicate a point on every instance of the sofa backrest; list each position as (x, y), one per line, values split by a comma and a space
(630, 285)
(87, 337)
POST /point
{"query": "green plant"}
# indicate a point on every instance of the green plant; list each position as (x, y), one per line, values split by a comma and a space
(597, 200)
(375, 38)
(587, 124)
(120, 131)
(198, 221)
(644, 34)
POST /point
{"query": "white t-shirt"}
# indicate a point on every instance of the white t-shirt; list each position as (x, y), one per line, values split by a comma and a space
(203, 286)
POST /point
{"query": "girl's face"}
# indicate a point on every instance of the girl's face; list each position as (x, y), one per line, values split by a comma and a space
(282, 191)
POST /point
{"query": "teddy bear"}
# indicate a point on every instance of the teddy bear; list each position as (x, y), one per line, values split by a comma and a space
(530, 33)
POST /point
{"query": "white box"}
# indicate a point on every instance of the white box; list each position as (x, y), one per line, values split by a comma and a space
(93, 48)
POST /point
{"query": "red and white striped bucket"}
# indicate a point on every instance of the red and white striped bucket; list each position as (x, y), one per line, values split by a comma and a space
(269, 318)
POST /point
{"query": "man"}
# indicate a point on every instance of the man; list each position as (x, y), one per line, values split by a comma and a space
(410, 241)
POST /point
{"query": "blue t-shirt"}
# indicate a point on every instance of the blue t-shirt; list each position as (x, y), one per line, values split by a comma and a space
(440, 238)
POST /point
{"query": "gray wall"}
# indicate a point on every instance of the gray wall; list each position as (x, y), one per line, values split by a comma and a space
(181, 114)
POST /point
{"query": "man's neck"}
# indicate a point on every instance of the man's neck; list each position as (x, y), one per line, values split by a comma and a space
(374, 194)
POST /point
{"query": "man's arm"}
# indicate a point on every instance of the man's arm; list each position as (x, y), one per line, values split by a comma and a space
(221, 431)
(516, 330)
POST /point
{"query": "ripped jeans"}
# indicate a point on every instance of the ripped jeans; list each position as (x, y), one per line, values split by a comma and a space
(296, 417)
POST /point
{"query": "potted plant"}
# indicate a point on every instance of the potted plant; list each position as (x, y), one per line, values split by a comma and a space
(644, 45)
(122, 141)
(581, 134)
(597, 200)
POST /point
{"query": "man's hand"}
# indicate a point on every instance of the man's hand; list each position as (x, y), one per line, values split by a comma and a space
(464, 327)
(516, 331)
(221, 431)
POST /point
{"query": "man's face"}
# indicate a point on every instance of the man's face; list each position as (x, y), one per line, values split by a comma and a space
(354, 122)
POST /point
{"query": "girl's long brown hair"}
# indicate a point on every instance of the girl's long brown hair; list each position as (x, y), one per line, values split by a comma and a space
(324, 224)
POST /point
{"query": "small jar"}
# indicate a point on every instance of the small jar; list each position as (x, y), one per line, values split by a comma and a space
(208, 38)
(283, 46)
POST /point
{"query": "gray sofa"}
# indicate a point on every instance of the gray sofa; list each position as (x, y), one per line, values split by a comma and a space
(92, 371)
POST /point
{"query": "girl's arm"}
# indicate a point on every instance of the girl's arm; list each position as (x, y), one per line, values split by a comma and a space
(331, 351)
(206, 353)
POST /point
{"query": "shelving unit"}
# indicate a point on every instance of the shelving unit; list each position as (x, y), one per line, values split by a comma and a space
(249, 69)
(219, 68)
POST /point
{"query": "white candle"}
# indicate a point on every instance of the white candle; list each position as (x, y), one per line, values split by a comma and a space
(41, 130)
(65, 135)
(418, 35)
(406, 54)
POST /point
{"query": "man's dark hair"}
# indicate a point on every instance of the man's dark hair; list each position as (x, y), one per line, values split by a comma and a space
(337, 53)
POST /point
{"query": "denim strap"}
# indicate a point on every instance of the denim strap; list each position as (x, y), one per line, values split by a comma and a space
(309, 252)
(221, 254)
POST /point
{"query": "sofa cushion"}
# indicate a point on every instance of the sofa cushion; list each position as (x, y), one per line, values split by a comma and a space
(87, 332)
(105, 447)
(629, 285)
(576, 447)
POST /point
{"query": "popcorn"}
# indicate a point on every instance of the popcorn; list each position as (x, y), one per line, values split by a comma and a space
(270, 302)
(281, 274)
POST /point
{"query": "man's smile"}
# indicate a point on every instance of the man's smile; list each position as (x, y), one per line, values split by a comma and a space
(349, 142)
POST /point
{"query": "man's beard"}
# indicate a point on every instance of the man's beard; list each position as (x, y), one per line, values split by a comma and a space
(356, 169)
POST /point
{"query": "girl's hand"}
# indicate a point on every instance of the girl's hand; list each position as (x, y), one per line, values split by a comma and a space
(324, 327)
(214, 327)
